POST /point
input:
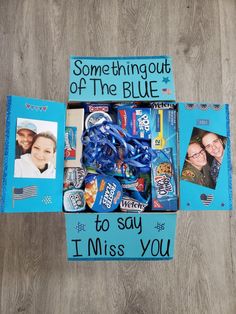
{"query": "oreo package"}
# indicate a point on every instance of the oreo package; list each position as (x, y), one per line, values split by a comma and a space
(164, 190)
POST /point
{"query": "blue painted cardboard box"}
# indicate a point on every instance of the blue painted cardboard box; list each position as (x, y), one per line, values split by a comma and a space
(118, 235)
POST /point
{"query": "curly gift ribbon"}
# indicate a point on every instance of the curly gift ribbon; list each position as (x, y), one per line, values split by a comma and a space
(107, 143)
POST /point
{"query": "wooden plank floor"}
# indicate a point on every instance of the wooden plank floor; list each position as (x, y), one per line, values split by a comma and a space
(37, 38)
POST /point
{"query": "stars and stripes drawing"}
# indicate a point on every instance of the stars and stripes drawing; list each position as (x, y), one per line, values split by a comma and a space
(206, 199)
(166, 91)
(25, 192)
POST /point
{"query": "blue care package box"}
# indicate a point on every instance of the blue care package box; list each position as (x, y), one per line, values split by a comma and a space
(123, 84)
(122, 158)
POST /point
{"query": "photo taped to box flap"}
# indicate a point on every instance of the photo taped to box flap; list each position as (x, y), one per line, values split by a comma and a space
(205, 157)
(34, 156)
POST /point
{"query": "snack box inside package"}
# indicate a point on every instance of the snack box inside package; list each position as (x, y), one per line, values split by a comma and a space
(164, 166)
(128, 161)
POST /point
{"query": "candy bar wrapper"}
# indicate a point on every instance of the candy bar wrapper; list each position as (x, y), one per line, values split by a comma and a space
(164, 192)
(137, 184)
(136, 121)
(73, 133)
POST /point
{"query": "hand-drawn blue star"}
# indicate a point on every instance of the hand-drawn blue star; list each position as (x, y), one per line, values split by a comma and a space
(160, 226)
(80, 227)
(165, 80)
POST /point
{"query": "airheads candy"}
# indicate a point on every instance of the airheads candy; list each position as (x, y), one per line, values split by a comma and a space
(102, 193)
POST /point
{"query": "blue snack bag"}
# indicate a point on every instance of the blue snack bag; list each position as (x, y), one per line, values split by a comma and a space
(164, 192)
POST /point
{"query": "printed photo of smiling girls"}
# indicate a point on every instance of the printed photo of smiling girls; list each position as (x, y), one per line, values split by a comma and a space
(203, 158)
(35, 154)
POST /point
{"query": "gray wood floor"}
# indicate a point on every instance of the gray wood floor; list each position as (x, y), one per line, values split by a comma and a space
(37, 38)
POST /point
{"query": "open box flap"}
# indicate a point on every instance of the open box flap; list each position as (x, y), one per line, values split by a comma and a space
(24, 187)
(204, 143)
(121, 79)
(120, 236)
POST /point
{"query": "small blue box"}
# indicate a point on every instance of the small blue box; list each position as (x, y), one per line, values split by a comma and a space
(164, 166)
(135, 121)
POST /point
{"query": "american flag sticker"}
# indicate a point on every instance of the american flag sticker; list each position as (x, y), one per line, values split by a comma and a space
(206, 199)
(23, 193)
(166, 91)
